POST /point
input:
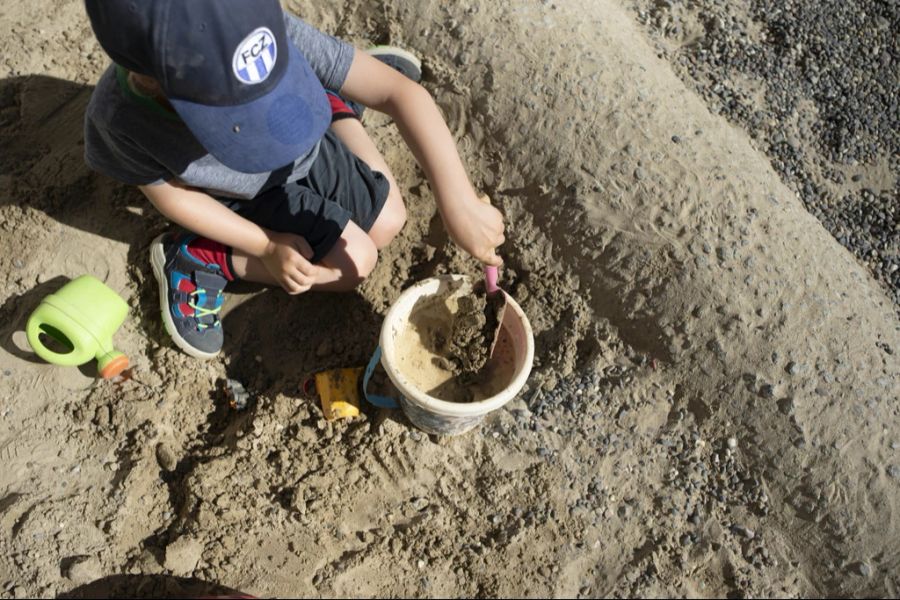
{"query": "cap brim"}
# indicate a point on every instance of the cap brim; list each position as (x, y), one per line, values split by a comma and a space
(269, 132)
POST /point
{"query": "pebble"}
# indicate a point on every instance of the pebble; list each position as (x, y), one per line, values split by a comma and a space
(744, 532)
(324, 348)
(182, 555)
(165, 458)
(786, 406)
(81, 569)
(894, 471)
(732, 443)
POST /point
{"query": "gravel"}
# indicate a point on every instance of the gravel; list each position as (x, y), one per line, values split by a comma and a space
(818, 95)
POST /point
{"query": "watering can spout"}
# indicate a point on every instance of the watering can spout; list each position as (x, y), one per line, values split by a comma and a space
(111, 364)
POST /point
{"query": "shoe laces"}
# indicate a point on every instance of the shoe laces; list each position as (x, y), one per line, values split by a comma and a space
(202, 311)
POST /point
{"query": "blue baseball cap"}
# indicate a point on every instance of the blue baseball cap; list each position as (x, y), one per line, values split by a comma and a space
(228, 69)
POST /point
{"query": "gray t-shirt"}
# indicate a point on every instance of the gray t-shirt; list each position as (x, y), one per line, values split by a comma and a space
(136, 141)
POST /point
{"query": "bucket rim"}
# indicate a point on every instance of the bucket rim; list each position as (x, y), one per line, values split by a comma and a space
(445, 407)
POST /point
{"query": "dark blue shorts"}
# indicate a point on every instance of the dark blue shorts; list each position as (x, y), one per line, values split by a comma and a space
(338, 188)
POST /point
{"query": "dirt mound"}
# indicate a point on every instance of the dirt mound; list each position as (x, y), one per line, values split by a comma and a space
(714, 407)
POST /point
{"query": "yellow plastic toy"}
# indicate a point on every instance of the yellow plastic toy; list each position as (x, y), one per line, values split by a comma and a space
(338, 391)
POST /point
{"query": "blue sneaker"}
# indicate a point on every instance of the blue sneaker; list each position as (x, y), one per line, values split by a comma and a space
(190, 294)
(401, 60)
(398, 59)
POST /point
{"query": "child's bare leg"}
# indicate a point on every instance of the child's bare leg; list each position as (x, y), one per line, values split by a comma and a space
(393, 215)
(345, 266)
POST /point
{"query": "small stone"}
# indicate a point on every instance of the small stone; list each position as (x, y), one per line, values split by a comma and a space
(624, 511)
(324, 348)
(786, 406)
(894, 471)
(639, 174)
(182, 556)
(165, 458)
(81, 569)
(744, 532)
(676, 139)
(732, 443)
(767, 390)
(18, 263)
(792, 368)
(102, 416)
(861, 568)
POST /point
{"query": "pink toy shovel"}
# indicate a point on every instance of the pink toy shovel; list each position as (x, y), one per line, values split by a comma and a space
(496, 304)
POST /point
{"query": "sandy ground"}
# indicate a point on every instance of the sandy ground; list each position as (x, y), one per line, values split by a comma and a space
(714, 408)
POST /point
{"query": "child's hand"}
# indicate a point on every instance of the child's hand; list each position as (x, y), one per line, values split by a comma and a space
(287, 259)
(477, 228)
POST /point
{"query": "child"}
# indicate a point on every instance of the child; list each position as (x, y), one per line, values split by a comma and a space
(218, 111)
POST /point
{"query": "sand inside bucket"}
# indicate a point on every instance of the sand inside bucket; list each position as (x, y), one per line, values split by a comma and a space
(433, 354)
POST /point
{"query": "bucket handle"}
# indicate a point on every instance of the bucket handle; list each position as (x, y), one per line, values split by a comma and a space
(379, 401)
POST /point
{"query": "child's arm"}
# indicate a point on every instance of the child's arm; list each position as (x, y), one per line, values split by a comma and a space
(286, 256)
(476, 227)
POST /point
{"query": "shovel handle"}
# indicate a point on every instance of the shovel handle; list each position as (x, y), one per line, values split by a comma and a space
(490, 278)
(491, 274)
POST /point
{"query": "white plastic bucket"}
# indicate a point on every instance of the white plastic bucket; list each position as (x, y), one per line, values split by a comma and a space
(440, 416)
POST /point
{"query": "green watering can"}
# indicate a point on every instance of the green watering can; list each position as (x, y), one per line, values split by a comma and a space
(82, 316)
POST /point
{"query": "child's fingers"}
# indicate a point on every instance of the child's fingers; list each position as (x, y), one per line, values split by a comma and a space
(491, 258)
(294, 287)
(289, 286)
(301, 277)
(305, 268)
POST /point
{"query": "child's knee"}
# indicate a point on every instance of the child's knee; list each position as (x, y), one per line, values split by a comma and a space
(364, 257)
(390, 221)
(368, 261)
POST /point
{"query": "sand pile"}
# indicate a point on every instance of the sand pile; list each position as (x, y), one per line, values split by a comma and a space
(714, 409)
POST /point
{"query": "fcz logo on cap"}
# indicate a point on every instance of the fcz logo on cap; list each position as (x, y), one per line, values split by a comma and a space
(255, 56)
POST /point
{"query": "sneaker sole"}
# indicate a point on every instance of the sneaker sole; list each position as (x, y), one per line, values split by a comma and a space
(158, 261)
(394, 50)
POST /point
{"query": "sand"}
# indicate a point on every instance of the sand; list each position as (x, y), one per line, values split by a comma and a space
(474, 329)
(710, 363)
(445, 349)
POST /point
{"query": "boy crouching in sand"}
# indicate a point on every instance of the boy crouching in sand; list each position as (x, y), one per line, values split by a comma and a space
(238, 122)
